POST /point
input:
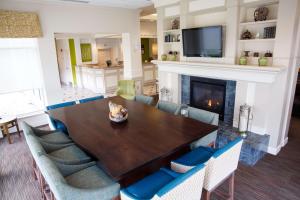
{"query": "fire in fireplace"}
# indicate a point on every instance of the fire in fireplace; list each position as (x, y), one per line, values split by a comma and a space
(208, 94)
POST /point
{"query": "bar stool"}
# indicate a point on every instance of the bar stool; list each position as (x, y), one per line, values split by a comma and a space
(6, 123)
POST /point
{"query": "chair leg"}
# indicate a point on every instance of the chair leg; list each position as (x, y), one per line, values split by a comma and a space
(117, 198)
(206, 195)
(231, 187)
(17, 126)
(34, 169)
(7, 133)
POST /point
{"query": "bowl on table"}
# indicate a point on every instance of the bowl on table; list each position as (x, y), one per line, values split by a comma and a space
(119, 118)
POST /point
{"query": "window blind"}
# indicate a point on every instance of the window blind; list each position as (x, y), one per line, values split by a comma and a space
(19, 65)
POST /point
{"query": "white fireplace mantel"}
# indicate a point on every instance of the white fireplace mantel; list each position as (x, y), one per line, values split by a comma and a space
(247, 73)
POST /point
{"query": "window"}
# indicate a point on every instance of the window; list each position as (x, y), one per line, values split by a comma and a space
(20, 77)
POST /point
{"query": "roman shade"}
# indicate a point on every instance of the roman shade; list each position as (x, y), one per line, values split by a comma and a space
(15, 24)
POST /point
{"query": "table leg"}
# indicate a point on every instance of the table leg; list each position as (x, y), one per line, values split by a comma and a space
(7, 133)
(17, 126)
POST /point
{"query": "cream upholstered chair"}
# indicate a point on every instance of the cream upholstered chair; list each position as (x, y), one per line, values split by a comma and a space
(166, 184)
(220, 166)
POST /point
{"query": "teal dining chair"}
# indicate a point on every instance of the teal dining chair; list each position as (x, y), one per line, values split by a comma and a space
(166, 184)
(91, 99)
(221, 164)
(168, 107)
(208, 118)
(56, 124)
(144, 99)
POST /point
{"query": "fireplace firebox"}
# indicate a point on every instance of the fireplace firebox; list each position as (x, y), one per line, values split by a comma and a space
(208, 94)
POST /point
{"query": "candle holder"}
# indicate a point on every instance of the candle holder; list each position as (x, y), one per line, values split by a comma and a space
(244, 119)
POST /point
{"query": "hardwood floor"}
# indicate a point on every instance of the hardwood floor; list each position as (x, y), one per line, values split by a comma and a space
(272, 178)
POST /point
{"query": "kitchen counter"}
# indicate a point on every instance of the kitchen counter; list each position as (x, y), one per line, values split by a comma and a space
(99, 79)
(97, 66)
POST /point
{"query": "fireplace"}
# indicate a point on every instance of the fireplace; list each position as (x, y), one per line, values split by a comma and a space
(208, 94)
(213, 95)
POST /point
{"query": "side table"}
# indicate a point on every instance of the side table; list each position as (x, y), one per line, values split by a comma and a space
(6, 123)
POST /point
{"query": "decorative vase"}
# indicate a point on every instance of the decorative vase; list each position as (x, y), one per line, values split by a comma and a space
(172, 57)
(243, 60)
(164, 57)
(263, 61)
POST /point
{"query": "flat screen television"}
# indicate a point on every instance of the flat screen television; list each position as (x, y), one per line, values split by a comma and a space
(203, 42)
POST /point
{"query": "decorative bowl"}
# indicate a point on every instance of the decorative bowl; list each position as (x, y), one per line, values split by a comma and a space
(118, 119)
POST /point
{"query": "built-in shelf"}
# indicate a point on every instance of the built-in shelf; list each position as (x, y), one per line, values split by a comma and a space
(258, 40)
(172, 31)
(272, 21)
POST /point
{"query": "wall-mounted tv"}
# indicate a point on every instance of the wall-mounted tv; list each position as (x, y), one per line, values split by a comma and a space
(203, 42)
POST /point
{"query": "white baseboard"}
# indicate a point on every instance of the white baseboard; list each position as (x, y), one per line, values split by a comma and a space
(274, 151)
(285, 141)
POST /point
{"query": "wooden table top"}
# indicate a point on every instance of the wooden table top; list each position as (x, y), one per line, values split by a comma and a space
(148, 140)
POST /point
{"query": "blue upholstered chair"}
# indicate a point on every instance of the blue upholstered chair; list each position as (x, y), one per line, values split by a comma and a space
(166, 184)
(77, 182)
(144, 99)
(91, 99)
(208, 118)
(221, 164)
(168, 107)
(56, 124)
(67, 153)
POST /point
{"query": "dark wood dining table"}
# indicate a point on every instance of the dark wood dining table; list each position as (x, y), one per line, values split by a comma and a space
(148, 140)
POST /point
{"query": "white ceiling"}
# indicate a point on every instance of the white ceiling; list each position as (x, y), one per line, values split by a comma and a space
(131, 4)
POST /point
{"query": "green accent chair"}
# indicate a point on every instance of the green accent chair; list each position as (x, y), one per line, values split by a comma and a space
(168, 107)
(65, 153)
(77, 182)
(126, 89)
(208, 118)
(144, 99)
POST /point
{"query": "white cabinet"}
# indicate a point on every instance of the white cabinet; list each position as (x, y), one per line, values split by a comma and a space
(100, 80)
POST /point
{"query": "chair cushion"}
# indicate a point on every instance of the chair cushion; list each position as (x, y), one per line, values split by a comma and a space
(56, 137)
(71, 154)
(89, 178)
(150, 185)
(196, 156)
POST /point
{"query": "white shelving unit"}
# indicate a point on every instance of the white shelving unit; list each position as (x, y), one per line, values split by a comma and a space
(256, 28)
(175, 35)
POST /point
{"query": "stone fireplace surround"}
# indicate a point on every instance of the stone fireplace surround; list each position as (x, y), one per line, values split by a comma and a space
(229, 96)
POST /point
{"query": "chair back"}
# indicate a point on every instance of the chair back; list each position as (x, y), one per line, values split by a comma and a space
(144, 99)
(185, 186)
(169, 107)
(34, 145)
(222, 164)
(203, 116)
(61, 105)
(91, 99)
(126, 87)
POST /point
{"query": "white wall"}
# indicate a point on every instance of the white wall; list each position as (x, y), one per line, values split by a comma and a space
(60, 18)
(148, 29)
(64, 61)
(115, 44)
